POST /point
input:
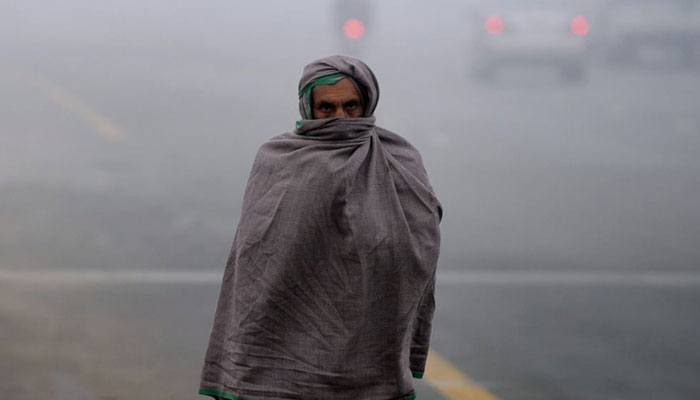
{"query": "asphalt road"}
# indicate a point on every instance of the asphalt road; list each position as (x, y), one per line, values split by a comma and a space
(570, 263)
(535, 340)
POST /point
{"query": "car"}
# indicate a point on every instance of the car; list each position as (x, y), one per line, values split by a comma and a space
(546, 33)
(652, 32)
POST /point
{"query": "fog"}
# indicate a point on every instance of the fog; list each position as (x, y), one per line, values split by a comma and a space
(532, 172)
(128, 129)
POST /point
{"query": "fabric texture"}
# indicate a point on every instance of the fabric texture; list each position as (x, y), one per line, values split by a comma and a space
(328, 290)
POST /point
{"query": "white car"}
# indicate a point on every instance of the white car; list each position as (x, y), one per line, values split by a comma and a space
(512, 33)
(648, 32)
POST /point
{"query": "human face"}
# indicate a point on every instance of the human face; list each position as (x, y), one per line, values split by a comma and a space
(339, 100)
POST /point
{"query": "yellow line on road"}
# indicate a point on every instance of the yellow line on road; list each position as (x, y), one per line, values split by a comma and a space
(450, 382)
(98, 121)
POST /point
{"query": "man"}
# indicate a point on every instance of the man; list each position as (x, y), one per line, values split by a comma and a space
(328, 291)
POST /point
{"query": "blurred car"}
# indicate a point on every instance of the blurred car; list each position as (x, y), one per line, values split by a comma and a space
(511, 33)
(647, 32)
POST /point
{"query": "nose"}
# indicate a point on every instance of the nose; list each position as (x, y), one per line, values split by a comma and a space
(340, 113)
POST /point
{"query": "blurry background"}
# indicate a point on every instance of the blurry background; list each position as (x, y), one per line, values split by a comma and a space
(562, 138)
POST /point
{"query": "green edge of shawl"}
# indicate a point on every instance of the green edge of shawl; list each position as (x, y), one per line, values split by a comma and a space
(210, 392)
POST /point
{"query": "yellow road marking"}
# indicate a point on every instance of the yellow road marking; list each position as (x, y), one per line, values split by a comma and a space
(450, 382)
(98, 121)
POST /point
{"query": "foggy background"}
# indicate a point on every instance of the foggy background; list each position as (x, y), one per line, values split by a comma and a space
(127, 133)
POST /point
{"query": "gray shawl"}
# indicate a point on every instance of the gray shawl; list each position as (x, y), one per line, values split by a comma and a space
(328, 290)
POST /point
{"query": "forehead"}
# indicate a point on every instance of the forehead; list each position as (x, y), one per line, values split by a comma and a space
(342, 90)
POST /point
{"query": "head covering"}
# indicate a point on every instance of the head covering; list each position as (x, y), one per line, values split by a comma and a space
(328, 71)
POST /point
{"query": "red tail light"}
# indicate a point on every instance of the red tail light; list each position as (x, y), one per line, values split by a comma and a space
(494, 25)
(579, 26)
(354, 29)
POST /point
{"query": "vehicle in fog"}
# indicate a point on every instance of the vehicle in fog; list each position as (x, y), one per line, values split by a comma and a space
(512, 33)
(652, 32)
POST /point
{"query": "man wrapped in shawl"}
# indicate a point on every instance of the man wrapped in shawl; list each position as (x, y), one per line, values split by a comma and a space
(328, 290)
